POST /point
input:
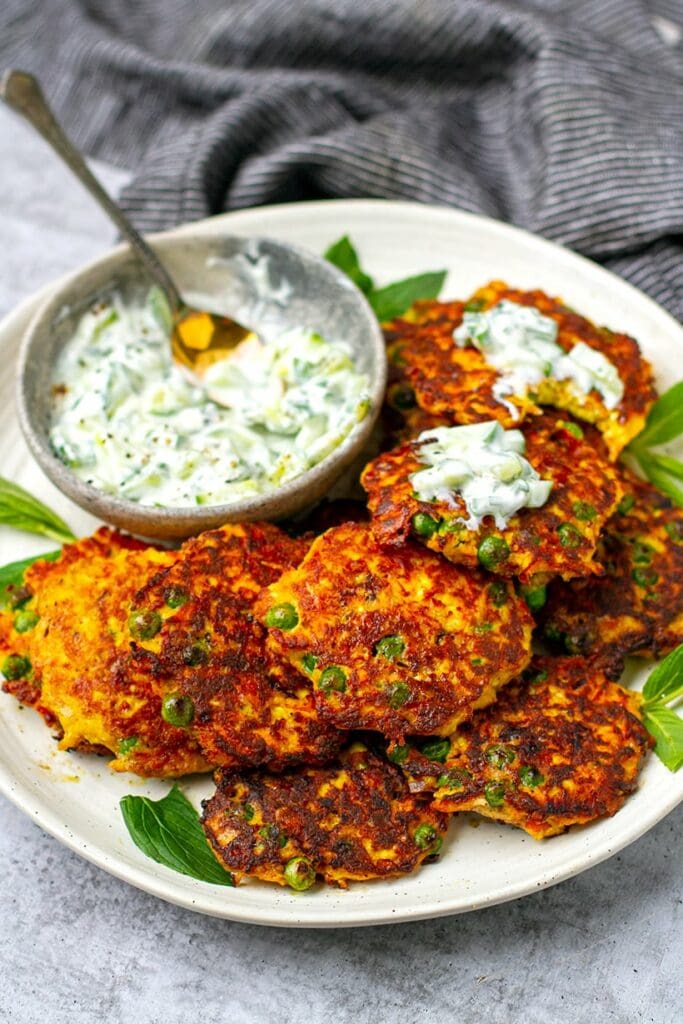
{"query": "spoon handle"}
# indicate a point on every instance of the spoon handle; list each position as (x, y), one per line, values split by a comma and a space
(22, 92)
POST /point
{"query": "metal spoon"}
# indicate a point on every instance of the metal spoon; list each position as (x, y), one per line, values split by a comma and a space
(198, 338)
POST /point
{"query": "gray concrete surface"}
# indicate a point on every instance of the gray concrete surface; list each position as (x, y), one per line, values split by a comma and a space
(77, 946)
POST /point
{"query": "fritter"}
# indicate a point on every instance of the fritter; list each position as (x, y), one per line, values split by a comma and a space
(353, 821)
(637, 606)
(559, 538)
(71, 633)
(193, 632)
(395, 639)
(447, 380)
(561, 747)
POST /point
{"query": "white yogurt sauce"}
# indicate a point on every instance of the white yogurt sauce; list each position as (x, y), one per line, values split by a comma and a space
(127, 420)
(522, 344)
(485, 465)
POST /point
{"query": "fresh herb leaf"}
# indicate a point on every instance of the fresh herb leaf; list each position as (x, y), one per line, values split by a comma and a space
(168, 831)
(665, 419)
(665, 682)
(666, 728)
(12, 575)
(21, 510)
(661, 478)
(343, 255)
(394, 299)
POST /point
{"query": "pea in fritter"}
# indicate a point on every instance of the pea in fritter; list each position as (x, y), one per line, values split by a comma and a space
(560, 747)
(396, 640)
(193, 632)
(637, 606)
(559, 538)
(448, 380)
(71, 633)
(353, 821)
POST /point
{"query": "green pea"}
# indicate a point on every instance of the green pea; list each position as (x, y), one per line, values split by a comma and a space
(125, 746)
(398, 694)
(572, 428)
(399, 753)
(283, 840)
(494, 794)
(299, 873)
(530, 777)
(437, 749)
(270, 831)
(453, 779)
(584, 511)
(535, 596)
(332, 679)
(427, 838)
(642, 552)
(144, 624)
(626, 504)
(390, 647)
(177, 710)
(248, 811)
(15, 666)
(538, 677)
(308, 662)
(282, 616)
(176, 597)
(492, 551)
(675, 531)
(483, 627)
(196, 653)
(25, 620)
(498, 592)
(403, 398)
(569, 536)
(424, 525)
(499, 756)
(476, 661)
(645, 577)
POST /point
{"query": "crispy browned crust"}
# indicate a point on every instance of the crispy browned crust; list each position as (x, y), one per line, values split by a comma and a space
(581, 477)
(461, 639)
(212, 650)
(77, 681)
(637, 606)
(353, 821)
(562, 747)
(453, 382)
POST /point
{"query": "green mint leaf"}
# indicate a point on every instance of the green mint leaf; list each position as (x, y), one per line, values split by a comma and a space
(343, 255)
(666, 728)
(659, 477)
(12, 575)
(665, 419)
(667, 464)
(666, 679)
(394, 299)
(169, 831)
(22, 511)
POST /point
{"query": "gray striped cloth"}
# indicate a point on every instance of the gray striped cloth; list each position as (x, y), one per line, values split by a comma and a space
(562, 116)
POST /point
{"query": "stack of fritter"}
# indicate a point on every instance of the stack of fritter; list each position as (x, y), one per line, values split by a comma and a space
(354, 688)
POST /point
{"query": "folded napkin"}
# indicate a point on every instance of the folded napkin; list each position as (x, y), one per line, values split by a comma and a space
(562, 116)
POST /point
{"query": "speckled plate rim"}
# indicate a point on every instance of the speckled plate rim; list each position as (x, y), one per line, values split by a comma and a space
(480, 867)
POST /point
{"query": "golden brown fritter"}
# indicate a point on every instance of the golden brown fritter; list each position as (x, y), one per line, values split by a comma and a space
(353, 821)
(637, 606)
(557, 539)
(204, 648)
(447, 380)
(561, 747)
(81, 605)
(395, 639)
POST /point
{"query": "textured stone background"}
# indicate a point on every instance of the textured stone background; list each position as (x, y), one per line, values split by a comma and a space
(78, 946)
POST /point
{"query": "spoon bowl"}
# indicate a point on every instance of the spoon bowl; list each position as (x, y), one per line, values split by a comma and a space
(265, 283)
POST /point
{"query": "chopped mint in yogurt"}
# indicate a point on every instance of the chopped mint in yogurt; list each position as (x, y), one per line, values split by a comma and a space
(483, 464)
(522, 344)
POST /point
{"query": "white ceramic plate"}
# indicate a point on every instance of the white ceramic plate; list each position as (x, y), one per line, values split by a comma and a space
(75, 798)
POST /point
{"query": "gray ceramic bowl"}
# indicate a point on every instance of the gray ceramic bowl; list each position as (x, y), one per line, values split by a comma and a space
(301, 289)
